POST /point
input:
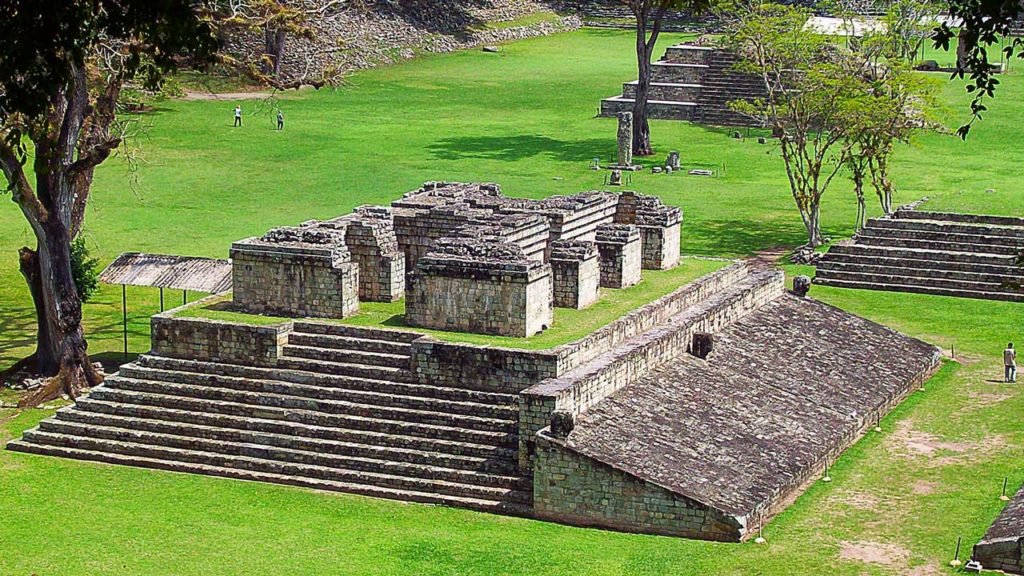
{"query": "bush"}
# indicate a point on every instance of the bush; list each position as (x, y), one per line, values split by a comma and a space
(84, 270)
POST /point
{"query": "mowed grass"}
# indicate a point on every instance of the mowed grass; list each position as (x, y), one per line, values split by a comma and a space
(568, 326)
(522, 118)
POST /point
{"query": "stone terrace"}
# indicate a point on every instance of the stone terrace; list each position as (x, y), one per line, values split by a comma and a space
(965, 255)
(1001, 547)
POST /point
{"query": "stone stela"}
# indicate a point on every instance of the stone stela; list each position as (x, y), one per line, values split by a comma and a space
(466, 257)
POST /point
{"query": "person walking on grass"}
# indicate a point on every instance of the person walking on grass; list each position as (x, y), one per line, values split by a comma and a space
(238, 115)
(280, 119)
(1010, 363)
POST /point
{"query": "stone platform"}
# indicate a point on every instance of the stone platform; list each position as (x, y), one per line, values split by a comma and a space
(694, 83)
(1001, 547)
(964, 255)
(663, 441)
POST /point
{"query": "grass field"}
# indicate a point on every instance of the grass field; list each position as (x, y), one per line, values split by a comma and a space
(523, 118)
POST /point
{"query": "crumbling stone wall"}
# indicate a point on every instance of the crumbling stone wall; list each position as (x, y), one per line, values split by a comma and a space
(295, 272)
(620, 248)
(216, 340)
(576, 270)
(467, 285)
(576, 490)
(370, 238)
(659, 228)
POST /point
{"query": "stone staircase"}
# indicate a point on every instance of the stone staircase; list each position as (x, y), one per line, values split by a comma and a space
(932, 253)
(694, 83)
(341, 411)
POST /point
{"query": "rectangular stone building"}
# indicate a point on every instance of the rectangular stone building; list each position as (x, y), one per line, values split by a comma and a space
(472, 285)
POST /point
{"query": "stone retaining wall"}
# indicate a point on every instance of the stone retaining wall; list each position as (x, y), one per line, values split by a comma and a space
(605, 497)
(216, 340)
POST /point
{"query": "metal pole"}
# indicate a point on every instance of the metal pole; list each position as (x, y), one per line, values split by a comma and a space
(184, 297)
(161, 299)
(124, 317)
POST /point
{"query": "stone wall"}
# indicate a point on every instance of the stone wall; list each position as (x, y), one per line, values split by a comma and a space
(468, 285)
(620, 248)
(576, 390)
(486, 368)
(370, 239)
(576, 490)
(216, 340)
(576, 270)
(1001, 547)
(295, 272)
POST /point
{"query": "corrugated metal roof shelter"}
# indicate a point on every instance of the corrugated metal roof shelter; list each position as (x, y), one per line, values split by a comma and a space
(166, 271)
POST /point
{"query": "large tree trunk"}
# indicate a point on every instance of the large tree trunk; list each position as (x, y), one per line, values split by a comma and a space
(61, 347)
(641, 128)
(274, 50)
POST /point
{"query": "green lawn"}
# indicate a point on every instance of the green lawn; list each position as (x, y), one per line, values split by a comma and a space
(525, 119)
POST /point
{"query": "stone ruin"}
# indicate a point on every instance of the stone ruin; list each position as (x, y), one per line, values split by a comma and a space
(466, 257)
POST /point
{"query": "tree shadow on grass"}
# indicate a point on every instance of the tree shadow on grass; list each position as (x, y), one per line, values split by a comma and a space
(521, 147)
(17, 334)
(733, 238)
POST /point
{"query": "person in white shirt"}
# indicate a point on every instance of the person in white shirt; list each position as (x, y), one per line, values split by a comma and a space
(238, 115)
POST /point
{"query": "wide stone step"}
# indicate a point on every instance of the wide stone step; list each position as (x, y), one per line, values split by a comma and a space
(349, 343)
(921, 254)
(963, 218)
(385, 395)
(677, 73)
(288, 402)
(347, 421)
(904, 268)
(687, 54)
(977, 242)
(460, 445)
(868, 237)
(311, 327)
(325, 380)
(388, 373)
(346, 462)
(945, 226)
(376, 359)
(665, 91)
(254, 464)
(896, 277)
(514, 502)
(917, 288)
(493, 462)
(656, 109)
(939, 266)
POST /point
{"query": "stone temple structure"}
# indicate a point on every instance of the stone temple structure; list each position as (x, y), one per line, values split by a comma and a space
(1002, 547)
(700, 414)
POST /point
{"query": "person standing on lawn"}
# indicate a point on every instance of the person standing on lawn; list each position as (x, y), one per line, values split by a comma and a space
(1010, 363)
(238, 115)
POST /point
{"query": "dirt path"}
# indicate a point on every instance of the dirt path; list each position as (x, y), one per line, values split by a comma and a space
(227, 96)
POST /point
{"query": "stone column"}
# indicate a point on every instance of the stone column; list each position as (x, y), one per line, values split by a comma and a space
(625, 138)
(619, 246)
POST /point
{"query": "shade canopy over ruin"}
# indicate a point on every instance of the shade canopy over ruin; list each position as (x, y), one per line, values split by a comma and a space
(167, 271)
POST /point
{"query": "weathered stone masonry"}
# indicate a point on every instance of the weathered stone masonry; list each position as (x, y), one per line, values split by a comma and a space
(295, 272)
(484, 287)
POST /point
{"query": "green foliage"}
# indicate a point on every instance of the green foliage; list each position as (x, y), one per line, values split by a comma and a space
(85, 270)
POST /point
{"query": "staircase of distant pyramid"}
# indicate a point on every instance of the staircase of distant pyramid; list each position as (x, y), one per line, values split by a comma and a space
(962, 255)
(694, 83)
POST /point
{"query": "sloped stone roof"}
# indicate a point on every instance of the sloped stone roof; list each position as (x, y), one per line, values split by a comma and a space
(743, 428)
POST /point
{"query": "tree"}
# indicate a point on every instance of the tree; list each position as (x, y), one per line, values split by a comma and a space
(982, 25)
(908, 23)
(896, 105)
(59, 89)
(649, 15)
(59, 102)
(810, 84)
